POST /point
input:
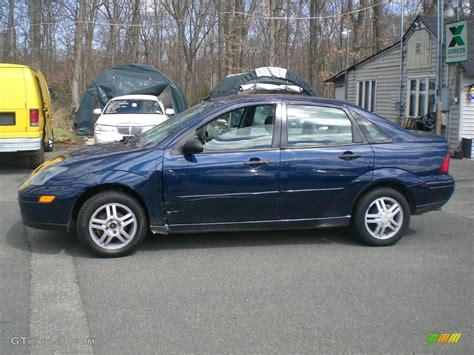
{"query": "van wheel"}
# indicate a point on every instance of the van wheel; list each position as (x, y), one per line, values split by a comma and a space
(381, 217)
(37, 158)
(49, 146)
(111, 224)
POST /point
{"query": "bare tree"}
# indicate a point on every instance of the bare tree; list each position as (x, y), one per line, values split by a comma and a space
(35, 11)
(9, 50)
(78, 50)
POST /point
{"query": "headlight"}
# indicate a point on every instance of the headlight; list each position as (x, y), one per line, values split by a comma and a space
(104, 128)
(44, 176)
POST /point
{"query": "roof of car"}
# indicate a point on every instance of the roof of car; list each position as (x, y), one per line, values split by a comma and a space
(135, 97)
(273, 97)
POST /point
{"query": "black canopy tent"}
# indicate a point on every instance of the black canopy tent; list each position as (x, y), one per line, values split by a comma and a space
(263, 80)
(127, 79)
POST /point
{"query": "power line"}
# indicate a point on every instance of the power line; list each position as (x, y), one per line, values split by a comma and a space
(262, 17)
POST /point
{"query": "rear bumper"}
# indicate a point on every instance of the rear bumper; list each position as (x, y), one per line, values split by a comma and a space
(8, 145)
(433, 195)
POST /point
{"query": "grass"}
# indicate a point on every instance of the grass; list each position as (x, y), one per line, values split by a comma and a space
(63, 134)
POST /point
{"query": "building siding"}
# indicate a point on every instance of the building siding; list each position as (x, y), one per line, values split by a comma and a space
(467, 110)
(430, 72)
(385, 69)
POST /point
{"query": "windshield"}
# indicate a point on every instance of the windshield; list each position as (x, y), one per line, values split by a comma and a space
(163, 130)
(129, 106)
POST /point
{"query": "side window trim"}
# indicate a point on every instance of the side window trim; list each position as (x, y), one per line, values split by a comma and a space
(357, 135)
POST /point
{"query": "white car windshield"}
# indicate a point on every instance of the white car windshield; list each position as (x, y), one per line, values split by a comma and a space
(128, 106)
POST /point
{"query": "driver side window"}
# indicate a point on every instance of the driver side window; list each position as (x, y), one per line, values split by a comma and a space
(242, 129)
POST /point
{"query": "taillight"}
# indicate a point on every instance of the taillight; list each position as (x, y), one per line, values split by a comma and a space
(445, 167)
(34, 117)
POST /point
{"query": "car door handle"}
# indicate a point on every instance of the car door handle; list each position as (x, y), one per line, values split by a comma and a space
(349, 156)
(256, 162)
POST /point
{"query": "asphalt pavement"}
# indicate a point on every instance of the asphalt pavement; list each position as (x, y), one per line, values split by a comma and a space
(271, 292)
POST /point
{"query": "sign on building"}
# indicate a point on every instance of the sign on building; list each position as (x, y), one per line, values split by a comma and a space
(456, 42)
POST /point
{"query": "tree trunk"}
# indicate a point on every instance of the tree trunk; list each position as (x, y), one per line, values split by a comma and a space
(378, 23)
(221, 39)
(9, 50)
(313, 42)
(35, 11)
(78, 49)
(134, 34)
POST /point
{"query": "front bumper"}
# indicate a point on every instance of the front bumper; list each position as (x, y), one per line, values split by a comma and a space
(8, 145)
(107, 137)
(53, 216)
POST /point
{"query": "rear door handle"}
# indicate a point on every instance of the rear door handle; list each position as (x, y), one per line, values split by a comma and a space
(349, 156)
(256, 162)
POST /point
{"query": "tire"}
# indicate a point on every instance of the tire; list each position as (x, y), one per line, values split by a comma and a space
(49, 145)
(101, 230)
(36, 158)
(381, 217)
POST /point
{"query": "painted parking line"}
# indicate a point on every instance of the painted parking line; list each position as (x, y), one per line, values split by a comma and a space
(58, 322)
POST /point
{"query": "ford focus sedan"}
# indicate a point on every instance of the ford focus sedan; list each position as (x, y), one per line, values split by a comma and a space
(244, 163)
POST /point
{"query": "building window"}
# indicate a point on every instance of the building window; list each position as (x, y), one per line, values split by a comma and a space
(421, 96)
(366, 94)
(418, 48)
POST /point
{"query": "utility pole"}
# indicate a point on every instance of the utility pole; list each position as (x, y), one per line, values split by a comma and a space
(439, 65)
(345, 35)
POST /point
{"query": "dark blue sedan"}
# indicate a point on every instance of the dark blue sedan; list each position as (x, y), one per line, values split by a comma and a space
(244, 163)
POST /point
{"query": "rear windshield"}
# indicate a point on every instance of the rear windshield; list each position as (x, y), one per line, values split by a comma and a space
(133, 107)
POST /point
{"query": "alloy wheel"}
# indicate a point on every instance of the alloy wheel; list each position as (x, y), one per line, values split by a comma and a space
(384, 218)
(113, 226)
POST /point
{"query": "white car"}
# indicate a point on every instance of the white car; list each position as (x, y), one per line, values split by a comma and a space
(128, 115)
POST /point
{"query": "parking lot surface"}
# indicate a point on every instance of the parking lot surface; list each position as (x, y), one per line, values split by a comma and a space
(281, 292)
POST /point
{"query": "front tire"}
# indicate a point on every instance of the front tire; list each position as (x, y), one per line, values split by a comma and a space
(111, 224)
(381, 217)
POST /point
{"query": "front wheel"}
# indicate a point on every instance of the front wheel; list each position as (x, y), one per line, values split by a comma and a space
(111, 223)
(381, 217)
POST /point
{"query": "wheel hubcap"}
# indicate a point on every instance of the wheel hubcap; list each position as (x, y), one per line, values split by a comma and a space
(384, 218)
(113, 226)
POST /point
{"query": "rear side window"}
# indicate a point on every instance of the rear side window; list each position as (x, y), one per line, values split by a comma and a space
(371, 131)
(315, 126)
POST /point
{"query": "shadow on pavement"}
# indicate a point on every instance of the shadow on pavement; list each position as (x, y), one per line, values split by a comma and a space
(50, 242)
(13, 163)
(248, 239)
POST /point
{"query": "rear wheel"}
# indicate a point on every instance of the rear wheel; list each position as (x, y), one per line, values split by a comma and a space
(381, 217)
(111, 223)
(49, 145)
(37, 158)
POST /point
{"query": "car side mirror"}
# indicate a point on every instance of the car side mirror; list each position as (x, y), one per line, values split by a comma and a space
(97, 111)
(192, 146)
(169, 112)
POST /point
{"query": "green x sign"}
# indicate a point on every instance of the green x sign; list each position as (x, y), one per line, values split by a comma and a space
(456, 42)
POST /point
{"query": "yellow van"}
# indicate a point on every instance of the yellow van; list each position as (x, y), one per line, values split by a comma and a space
(25, 113)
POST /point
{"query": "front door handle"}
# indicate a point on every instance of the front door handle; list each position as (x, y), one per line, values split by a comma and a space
(349, 156)
(256, 162)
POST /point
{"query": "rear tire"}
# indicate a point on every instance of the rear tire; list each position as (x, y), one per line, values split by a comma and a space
(381, 217)
(49, 145)
(111, 224)
(36, 158)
